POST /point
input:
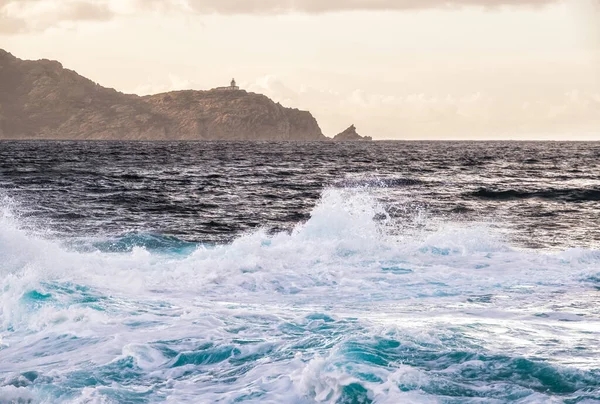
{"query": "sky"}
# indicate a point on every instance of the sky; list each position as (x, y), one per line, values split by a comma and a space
(397, 69)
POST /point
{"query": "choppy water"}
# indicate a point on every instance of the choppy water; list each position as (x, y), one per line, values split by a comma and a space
(299, 273)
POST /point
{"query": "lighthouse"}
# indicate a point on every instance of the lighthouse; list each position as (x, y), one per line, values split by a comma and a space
(232, 87)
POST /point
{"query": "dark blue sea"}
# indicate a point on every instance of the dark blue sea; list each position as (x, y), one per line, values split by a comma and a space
(383, 272)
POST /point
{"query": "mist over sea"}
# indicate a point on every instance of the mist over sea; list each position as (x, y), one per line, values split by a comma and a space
(216, 272)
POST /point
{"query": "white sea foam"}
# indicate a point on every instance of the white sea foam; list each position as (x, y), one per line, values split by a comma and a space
(62, 310)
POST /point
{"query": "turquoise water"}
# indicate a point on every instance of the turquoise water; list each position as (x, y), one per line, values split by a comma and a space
(344, 309)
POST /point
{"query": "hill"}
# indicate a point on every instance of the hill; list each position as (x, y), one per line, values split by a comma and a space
(43, 100)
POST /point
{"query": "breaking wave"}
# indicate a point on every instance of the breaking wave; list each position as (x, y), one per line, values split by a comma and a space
(346, 308)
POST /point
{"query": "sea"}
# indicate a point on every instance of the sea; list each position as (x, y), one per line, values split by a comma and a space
(254, 272)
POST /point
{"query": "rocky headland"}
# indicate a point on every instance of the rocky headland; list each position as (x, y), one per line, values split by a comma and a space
(43, 100)
(351, 135)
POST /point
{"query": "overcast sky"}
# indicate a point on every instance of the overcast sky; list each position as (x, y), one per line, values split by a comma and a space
(398, 69)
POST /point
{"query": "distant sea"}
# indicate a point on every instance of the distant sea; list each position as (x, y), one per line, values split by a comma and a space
(216, 272)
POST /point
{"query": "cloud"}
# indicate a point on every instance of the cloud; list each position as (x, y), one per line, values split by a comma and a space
(18, 16)
(79, 11)
(430, 115)
(322, 6)
(9, 25)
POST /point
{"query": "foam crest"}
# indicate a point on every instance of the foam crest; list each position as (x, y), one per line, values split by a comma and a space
(348, 245)
(18, 248)
(344, 216)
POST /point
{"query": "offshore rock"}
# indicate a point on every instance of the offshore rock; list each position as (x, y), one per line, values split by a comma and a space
(42, 100)
(351, 135)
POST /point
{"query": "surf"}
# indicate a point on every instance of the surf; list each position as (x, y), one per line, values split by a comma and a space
(348, 306)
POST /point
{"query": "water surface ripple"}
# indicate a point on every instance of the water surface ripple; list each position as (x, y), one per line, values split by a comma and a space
(386, 272)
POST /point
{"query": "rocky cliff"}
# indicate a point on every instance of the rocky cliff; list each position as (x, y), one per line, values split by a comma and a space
(43, 100)
(232, 115)
(351, 135)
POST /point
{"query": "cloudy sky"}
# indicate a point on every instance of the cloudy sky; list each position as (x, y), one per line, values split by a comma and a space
(398, 69)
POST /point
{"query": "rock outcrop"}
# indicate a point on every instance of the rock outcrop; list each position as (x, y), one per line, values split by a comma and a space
(43, 100)
(350, 135)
